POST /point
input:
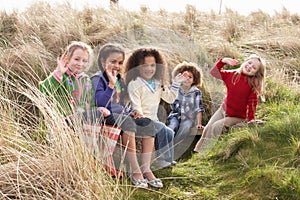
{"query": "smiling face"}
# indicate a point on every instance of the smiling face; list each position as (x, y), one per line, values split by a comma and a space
(114, 62)
(189, 79)
(250, 67)
(79, 61)
(148, 69)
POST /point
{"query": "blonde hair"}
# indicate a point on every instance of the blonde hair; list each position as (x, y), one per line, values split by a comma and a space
(75, 45)
(256, 81)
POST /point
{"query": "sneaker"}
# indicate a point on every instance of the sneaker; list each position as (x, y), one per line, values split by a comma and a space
(173, 163)
(163, 164)
(154, 182)
(139, 183)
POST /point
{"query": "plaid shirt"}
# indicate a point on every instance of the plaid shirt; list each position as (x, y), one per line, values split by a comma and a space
(187, 105)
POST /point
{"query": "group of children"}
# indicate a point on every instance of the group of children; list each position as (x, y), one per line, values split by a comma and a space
(131, 102)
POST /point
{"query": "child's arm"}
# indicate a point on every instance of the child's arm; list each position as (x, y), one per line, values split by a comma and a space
(135, 114)
(59, 91)
(103, 94)
(175, 106)
(230, 61)
(50, 85)
(199, 109)
(105, 112)
(169, 95)
(135, 99)
(112, 77)
(53, 82)
(61, 68)
(215, 71)
(199, 120)
(105, 91)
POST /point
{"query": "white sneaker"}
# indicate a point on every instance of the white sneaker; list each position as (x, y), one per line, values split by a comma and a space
(139, 183)
(163, 163)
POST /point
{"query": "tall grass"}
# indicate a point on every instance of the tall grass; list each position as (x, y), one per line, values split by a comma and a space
(42, 158)
(45, 160)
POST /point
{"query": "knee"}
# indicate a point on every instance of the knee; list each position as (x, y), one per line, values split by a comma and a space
(128, 134)
(172, 126)
(170, 133)
(217, 130)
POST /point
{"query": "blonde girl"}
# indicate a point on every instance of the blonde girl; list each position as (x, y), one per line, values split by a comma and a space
(68, 84)
(243, 87)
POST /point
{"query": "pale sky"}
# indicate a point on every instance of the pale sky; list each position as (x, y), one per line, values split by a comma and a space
(242, 6)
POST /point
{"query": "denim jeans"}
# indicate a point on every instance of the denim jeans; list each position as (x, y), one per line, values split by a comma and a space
(164, 142)
(173, 124)
(183, 138)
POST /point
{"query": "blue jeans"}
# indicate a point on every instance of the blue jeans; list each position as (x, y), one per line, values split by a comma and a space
(173, 124)
(164, 142)
(183, 138)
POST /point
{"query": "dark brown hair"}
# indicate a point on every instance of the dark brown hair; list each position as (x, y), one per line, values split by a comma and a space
(137, 58)
(190, 67)
(106, 50)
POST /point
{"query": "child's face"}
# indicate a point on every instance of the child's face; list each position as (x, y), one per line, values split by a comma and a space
(114, 62)
(189, 79)
(250, 67)
(79, 61)
(148, 68)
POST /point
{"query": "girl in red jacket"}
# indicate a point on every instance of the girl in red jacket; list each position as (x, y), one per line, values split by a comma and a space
(243, 87)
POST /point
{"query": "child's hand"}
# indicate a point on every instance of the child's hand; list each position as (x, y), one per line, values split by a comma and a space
(112, 76)
(230, 61)
(135, 114)
(61, 65)
(256, 121)
(179, 78)
(199, 126)
(105, 112)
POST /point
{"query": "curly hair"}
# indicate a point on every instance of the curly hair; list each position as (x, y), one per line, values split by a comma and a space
(189, 67)
(137, 58)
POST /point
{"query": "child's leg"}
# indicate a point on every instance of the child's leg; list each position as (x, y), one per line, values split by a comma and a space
(214, 129)
(173, 124)
(183, 131)
(147, 149)
(227, 122)
(128, 140)
(164, 142)
(183, 138)
(218, 115)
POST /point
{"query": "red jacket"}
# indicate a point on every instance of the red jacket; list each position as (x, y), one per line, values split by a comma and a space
(241, 100)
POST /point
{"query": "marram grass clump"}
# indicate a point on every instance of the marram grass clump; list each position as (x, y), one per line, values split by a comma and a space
(57, 166)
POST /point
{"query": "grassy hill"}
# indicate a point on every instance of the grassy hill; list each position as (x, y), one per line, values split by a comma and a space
(41, 158)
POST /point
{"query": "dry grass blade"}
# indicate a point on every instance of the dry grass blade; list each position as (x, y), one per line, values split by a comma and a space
(55, 168)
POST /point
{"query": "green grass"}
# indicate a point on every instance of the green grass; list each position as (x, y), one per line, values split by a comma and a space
(249, 163)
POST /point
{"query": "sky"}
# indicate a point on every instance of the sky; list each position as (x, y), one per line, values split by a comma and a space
(242, 6)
